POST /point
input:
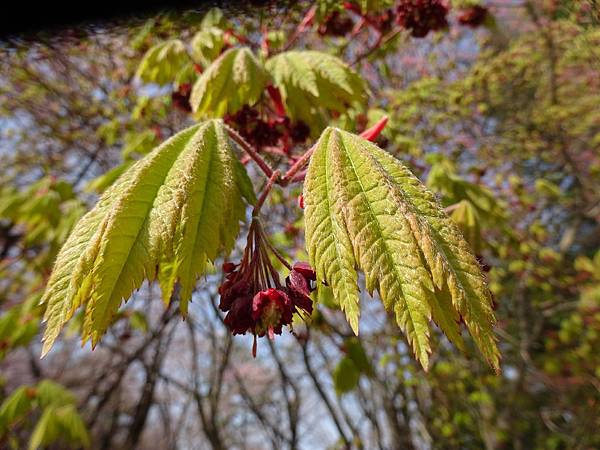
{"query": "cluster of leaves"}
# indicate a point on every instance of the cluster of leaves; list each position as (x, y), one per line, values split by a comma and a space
(310, 83)
(55, 410)
(43, 213)
(168, 216)
(34, 221)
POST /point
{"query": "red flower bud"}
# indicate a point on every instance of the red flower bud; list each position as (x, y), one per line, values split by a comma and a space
(371, 134)
(299, 287)
(230, 291)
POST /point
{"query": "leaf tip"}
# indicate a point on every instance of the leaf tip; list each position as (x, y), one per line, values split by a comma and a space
(45, 349)
(353, 321)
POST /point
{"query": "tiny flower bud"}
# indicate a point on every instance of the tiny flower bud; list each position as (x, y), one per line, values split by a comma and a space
(371, 134)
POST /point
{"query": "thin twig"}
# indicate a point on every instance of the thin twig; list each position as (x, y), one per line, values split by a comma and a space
(263, 196)
(296, 167)
(250, 151)
(381, 41)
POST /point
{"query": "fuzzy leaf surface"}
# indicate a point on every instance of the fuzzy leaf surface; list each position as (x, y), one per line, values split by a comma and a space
(364, 209)
(166, 217)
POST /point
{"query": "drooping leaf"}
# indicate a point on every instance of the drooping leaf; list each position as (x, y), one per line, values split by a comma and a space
(49, 393)
(163, 62)
(311, 82)
(59, 424)
(72, 426)
(466, 217)
(364, 208)
(166, 217)
(207, 44)
(14, 407)
(214, 17)
(345, 376)
(234, 79)
(46, 430)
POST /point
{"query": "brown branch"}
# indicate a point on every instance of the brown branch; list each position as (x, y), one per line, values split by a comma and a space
(323, 394)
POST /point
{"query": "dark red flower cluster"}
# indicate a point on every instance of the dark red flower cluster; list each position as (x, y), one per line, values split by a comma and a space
(473, 16)
(252, 294)
(267, 133)
(336, 24)
(422, 16)
(383, 22)
(181, 97)
(299, 132)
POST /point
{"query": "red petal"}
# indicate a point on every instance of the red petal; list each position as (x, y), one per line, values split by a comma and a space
(305, 269)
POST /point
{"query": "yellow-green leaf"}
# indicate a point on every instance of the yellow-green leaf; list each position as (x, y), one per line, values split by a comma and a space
(163, 62)
(207, 44)
(234, 79)
(311, 82)
(166, 217)
(364, 209)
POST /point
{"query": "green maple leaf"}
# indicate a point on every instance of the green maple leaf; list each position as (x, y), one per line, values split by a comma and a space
(234, 79)
(162, 63)
(166, 217)
(364, 209)
(311, 81)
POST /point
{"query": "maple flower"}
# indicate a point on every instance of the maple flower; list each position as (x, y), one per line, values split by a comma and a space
(473, 16)
(422, 16)
(252, 294)
(299, 286)
(271, 309)
(239, 319)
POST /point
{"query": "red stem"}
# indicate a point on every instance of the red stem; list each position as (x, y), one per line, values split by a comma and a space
(298, 165)
(306, 22)
(263, 196)
(251, 152)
